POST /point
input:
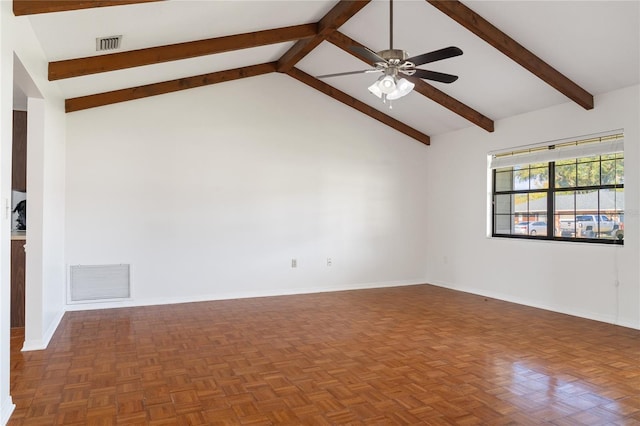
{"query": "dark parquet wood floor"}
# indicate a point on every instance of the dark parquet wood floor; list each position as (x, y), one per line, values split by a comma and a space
(406, 355)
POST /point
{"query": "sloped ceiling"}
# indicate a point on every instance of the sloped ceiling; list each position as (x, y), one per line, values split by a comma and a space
(592, 47)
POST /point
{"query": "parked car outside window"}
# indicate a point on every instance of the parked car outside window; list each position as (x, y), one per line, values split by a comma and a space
(531, 228)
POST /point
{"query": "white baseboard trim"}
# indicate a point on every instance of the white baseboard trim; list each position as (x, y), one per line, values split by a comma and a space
(6, 409)
(38, 345)
(520, 301)
(240, 295)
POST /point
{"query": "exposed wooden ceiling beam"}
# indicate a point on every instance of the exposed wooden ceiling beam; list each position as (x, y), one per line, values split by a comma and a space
(32, 7)
(153, 55)
(333, 20)
(107, 98)
(452, 104)
(360, 106)
(492, 35)
(343, 42)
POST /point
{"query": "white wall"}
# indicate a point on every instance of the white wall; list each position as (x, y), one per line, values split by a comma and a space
(6, 105)
(45, 271)
(573, 278)
(209, 193)
(45, 274)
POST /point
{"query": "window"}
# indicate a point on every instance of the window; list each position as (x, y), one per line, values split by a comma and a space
(566, 191)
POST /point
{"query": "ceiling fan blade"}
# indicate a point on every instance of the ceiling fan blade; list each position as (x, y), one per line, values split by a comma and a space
(436, 55)
(371, 56)
(435, 76)
(347, 73)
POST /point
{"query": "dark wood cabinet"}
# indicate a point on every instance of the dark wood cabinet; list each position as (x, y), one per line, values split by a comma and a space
(19, 160)
(18, 183)
(17, 282)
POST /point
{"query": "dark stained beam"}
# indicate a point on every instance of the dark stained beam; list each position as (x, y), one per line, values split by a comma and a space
(153, 55)
(358, 105)
(333, 20)
(518, 53)
(107, 98)
(452, 104)
(343, 42)
(32, 7)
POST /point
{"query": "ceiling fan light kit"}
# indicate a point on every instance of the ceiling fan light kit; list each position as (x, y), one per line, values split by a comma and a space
(403, 88)
(387, 84)
(392, 61)
(389, 87)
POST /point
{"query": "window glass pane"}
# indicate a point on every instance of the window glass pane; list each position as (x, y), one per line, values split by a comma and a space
(538, 203)
(504, 179)
(502, 224)
(608, 172)
(564, 214)
(589, 173)
(530, 214)
(611, 201)
(537, 227)
(611, 207)
(520, 227)
(620, 171)
(619, 200)
(540, 227)
(502, 204)
(619, 217)
(566, 175)
(587, 202)
(539, 177)
(588, 218)
(521, 203)
(520, 177)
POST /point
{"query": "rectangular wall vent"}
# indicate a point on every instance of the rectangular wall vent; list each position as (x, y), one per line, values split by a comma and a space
(94, 283)
(108, 43)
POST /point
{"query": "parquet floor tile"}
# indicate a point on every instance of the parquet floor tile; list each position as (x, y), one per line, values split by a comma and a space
(416, 355)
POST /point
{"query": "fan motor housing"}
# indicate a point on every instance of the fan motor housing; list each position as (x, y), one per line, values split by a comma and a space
(393, 54)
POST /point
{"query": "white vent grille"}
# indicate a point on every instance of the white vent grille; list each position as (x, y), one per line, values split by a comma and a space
(108, 43)
(92, 283)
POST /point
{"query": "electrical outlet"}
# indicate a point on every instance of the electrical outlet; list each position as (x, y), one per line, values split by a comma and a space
(329, 261)
(294, 263)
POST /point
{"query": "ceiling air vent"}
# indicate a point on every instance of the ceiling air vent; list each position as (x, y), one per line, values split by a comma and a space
(108, 43)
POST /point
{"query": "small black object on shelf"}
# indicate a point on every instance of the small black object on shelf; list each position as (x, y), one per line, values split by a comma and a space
(21, 221)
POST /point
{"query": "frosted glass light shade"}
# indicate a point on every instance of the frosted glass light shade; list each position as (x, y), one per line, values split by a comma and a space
(387, 84)
(389, 87)
(375, 89)
(403, 88)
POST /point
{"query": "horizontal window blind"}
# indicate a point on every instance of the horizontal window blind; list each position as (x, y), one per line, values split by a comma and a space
(600, 145)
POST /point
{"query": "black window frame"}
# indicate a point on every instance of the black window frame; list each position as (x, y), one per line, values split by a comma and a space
(550, 193)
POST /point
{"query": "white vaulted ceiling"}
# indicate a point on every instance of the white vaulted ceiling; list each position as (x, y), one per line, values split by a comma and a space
(593, 43)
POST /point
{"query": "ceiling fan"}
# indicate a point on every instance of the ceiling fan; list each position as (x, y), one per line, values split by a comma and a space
(392, 62)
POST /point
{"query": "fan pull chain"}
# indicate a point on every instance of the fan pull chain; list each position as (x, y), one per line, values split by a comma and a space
(384, 100)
